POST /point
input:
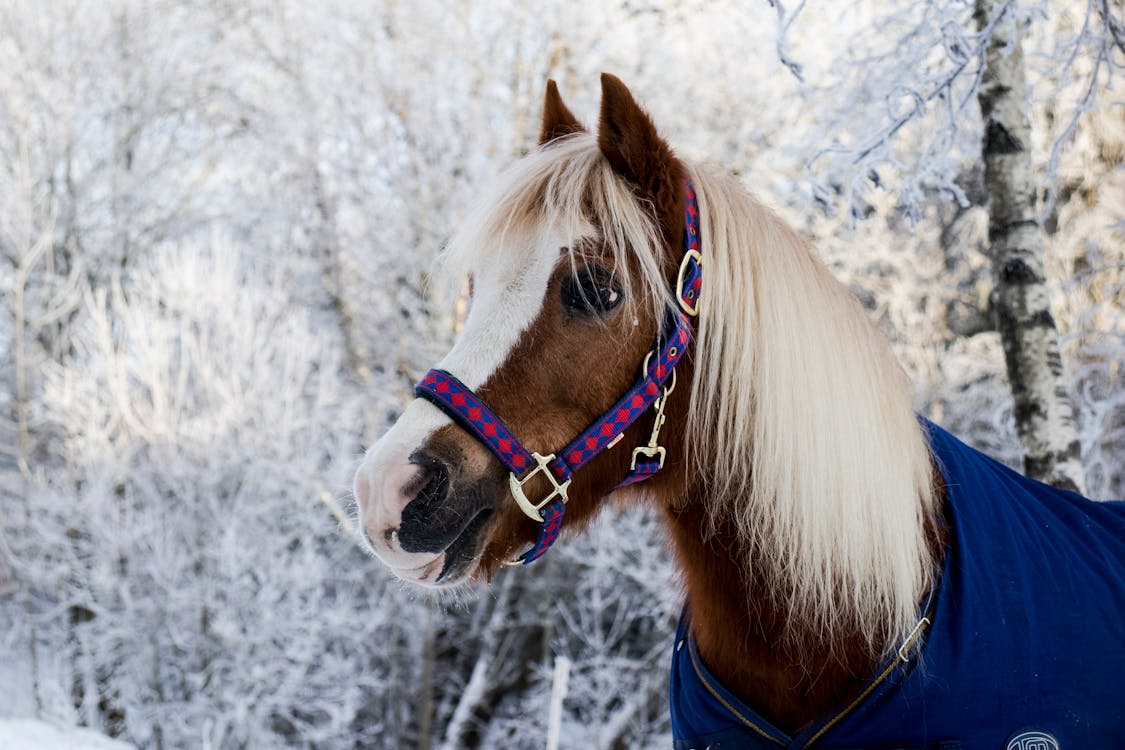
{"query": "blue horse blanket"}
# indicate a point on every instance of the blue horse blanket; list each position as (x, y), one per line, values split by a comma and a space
(1026, 649)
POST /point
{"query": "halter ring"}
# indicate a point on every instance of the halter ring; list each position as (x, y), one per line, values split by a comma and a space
(644, 372)
(530, 509)
(689, 305)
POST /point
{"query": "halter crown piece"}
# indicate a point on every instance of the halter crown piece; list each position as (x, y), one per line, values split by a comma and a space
(462, 405)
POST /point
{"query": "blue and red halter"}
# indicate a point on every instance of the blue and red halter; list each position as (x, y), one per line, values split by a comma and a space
(462, 405)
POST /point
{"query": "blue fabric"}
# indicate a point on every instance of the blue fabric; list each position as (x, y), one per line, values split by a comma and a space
(1028, 634)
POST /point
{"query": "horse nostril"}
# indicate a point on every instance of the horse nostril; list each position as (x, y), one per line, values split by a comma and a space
(430, 483)
(427, 518)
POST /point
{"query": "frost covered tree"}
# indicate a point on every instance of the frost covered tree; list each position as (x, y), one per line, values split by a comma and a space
(188, 536)
(947, 82)
(1020, 301)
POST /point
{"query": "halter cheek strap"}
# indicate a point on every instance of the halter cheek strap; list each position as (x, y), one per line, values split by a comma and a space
(651, 391)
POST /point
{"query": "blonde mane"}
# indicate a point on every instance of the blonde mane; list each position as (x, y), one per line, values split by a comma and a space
(802, 421)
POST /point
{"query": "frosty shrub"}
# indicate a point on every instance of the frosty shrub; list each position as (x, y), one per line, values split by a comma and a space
(185, 549)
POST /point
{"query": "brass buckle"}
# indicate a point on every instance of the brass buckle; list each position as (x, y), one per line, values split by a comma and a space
(688, 256)
(530, 509)
(650, 451)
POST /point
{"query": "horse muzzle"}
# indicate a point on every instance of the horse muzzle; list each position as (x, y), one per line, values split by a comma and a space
(423, 510)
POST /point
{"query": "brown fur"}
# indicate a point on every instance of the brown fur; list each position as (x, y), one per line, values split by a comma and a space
(740, 636)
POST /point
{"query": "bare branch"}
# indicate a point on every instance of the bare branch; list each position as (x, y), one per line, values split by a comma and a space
(785, 23)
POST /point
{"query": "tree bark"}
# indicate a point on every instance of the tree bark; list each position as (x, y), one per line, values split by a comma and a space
(1043, 412)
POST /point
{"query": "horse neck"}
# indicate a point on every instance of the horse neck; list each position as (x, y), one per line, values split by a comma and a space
(747, 633)
(741, 623)
(743, 632)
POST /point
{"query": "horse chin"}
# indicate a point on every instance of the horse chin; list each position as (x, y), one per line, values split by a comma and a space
(426, 575)
(461, 558)
(457, 565)
(440, 573)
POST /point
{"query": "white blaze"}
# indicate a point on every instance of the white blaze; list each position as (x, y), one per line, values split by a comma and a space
(507, 297)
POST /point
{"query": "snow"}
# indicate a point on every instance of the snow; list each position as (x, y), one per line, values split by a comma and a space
(32, 734)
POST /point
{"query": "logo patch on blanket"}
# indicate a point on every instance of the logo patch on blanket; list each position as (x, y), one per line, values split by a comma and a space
(1032, 739)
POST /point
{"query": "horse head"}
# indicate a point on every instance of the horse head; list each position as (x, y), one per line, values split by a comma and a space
(572, 261)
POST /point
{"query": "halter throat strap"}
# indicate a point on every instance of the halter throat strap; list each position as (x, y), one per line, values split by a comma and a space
(458, 401)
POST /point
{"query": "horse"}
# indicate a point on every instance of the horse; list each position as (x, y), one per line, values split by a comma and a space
(644, 328)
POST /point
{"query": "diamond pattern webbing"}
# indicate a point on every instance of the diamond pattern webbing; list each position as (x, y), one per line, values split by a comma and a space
(636, 400)
(458, 401)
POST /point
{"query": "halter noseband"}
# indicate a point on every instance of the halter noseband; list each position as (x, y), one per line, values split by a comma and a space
(460, 403)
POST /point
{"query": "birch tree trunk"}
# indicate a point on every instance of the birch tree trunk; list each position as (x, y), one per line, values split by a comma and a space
(1043, 412)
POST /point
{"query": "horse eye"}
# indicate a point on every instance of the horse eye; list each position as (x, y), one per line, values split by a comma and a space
(591, 291)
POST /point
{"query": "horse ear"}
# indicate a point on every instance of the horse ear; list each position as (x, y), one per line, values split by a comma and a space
(558, 120)
(628, 139)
